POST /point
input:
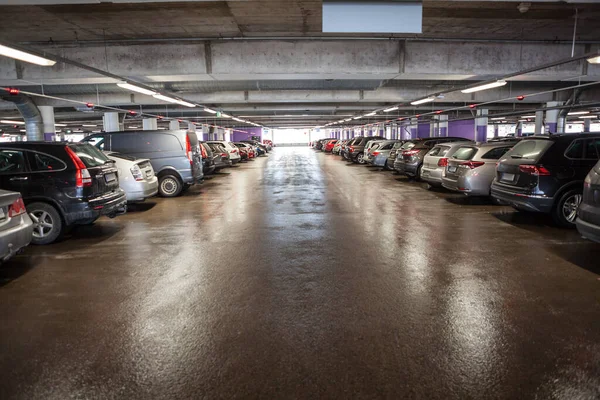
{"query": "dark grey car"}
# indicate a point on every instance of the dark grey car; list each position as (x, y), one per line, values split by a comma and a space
(588, 221)
(174, 155)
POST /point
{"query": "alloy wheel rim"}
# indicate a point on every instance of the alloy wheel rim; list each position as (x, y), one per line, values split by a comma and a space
(361, 159)
(43, 224)
(168, 186)
(571, 206)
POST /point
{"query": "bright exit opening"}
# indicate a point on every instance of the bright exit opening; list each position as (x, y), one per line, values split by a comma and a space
(284, 137)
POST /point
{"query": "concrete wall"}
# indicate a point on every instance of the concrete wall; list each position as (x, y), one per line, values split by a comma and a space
(246, 134)
(423, 130)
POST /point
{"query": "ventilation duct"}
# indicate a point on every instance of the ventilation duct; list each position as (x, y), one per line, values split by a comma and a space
(31, 115)
(360, 16)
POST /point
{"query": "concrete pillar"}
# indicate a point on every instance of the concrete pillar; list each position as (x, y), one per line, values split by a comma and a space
(191, 127)
(552, 117)
(47, 113)
(150, 124)
(481, 123)
(519, 129)
(414, 128)
(496, 130)
(587, 124)
(174, 125)
(443, 125)
(539, 122)
(434, 126)
(110, 122)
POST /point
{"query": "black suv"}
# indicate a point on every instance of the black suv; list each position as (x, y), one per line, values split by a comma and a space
(62, 184)
(588, 221)
(409, 157)
(355, 150)
(546, 174)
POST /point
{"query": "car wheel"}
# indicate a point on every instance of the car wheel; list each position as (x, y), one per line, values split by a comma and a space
(169, 186)
(565, 211)
(418, 174)
(360, 158)
(47, 224)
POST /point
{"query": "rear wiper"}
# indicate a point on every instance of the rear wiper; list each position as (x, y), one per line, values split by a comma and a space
(516, 156)
(109, 162)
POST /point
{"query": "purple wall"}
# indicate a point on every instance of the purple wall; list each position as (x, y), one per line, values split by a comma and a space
(423, 131)
(464, 129)
(246, 134)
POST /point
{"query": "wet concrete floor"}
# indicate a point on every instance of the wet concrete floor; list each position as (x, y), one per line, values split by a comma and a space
(299, 276)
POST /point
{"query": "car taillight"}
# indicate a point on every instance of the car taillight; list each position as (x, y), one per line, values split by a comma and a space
(223, 154)
(472, 164)
(410, 153)
(137, 173)
(351, 149)
(82, 175)
(534, 170)
(234, 151)
(443, 162)
(203, 150)
(16, 208)
(587, 181)
(188, 149)
(376, 153)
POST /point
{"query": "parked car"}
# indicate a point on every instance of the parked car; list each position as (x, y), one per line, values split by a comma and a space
(546, 174)
(328, 147)
(379, 156)
(234, 153)
(409, 158)
(249, 149)
(258, 147)
(355, 151)
(393, 153)
(16, 227)
(220, 156)
(136, 176)
(320, 143)
(243, 151)
(371, 146)
(436, 160)
(338, 146)
(472, 168)
(269, 144)
(175, 155)
(588, 221)
(208, 160)
(62, 184)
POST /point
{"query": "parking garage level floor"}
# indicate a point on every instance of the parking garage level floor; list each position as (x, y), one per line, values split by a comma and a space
(300, 276)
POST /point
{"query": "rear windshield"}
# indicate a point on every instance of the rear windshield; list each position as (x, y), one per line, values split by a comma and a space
(529, 149)
(408, 145)
(123, 156)
(91, 156)
(439, 151)
(397, 145)
(464, 153)
(495, 154)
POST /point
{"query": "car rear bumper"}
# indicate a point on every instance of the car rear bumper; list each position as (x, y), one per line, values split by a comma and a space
(12, 240)
(143, 190)
(468, 185)
(432, 175)
(588, 230)
(523, 201)
(110, 204)
(379, 161)
(410, 169)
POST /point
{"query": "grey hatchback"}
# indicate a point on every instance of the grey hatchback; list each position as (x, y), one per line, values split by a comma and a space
(174, 155)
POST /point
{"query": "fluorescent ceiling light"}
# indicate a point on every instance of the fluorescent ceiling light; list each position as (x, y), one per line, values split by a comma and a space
(225, 115)
(186, 103)
(370, 114)
(134, 88)
(27, 57)
(588, 116)
(133, 127)
(22, 130)
(208, 110)
(484, 87)
(497, 119)
(578, 113)
(528, 116)
(96, 131)
(165, 98)
(390, 109)
(594, 60)
(7, 121)
(89, 126)
(61, 125)
(422, 101)
(359, 117)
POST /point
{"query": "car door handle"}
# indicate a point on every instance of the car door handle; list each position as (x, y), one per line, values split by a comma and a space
(18, 178)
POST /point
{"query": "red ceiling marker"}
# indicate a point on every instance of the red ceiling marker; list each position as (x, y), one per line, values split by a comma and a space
(131, 112)
(418, 115)
(472, 106)
(13, 91)
(521, 98)
(179, 120)
(438, 112)
(159, 117)
(89, 105)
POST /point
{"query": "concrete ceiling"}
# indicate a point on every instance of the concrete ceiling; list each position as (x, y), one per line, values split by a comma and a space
(269, 62)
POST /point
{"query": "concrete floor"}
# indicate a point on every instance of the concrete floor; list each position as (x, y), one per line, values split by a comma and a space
(299, 276)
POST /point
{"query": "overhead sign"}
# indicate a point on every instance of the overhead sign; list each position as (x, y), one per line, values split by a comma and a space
(361, 16)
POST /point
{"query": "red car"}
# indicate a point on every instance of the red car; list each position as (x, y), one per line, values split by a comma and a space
(328, 148)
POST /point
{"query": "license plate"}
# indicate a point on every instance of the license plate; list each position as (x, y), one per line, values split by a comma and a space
(451, 169)
(110, 177)
(508, 177)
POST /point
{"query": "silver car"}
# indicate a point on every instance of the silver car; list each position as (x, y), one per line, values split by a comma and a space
(472, 168)
(16, 227)
(379, 156)
(369, 148)
(136, 176)
(436, 160)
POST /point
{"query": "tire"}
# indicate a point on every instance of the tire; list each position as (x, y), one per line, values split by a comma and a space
(564, 212)
(186, 187)
(47, 223)
(418, 174)
(360, 158)
(169, 186)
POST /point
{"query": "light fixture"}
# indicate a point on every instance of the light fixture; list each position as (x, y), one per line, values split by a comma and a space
(208, 110)
(484, 87)
(60, 124)
(7, 121)
(134, 88)
(578, 113)
(588, 116)
(390, 109)
(225, 115)
(165, 98)
(27, 57)
(422, 101)
(89, 126)
(186, 103)
(528, 116)
(371, 114)
(359, 117)
(497, 119)
(594, 60)
(96, 131)
(22, 130)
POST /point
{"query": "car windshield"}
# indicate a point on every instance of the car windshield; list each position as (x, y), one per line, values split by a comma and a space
(90, 155)
(529, 149)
